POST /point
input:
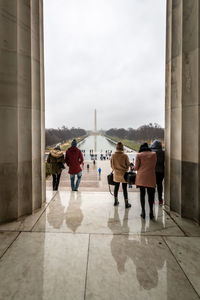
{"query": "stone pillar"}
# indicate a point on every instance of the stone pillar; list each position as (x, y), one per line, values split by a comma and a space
(21, 108)
(182, 129)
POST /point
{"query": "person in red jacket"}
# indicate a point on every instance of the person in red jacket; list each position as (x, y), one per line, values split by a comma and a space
(74, 160)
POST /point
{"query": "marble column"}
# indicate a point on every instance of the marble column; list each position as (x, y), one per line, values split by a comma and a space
(182, 129)
(22, 177)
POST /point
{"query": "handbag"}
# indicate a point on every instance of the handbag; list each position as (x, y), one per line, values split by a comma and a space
(130, 177)
(110, 179)
(61, 166)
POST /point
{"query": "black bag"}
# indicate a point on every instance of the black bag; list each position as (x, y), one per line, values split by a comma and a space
(110, 179)
(61, 166)
(130, 177)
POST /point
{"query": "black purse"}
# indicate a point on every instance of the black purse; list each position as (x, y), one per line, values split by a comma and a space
(61, 166)
(130, 177)
(110, 179)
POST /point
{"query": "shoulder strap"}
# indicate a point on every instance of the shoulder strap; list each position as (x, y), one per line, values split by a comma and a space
(110, 190)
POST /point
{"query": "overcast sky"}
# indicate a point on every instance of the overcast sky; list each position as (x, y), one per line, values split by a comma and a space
(108, 55)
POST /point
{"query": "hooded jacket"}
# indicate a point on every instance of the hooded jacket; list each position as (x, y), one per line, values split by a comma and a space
(56, 161)
(157, 147)
(74, 159)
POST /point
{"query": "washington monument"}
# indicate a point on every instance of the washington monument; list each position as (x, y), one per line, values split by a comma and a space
(95, 121)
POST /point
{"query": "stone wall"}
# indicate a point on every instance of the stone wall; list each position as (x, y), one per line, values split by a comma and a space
(22, 188)
(182, 181)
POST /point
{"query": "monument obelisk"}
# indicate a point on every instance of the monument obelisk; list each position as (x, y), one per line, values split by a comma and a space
(95, 132)
(95, 121)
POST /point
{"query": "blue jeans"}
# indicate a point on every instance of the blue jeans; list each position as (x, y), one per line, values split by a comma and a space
(72, 178)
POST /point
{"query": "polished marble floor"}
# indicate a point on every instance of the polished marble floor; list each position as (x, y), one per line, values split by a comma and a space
(79, 246)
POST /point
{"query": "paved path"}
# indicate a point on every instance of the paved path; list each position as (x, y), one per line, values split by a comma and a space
(90, 180)
(79, 246)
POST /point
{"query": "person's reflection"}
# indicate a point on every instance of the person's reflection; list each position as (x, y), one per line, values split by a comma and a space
(56, 213)
(141, 250)
(145, 260)
(118, 248)
(74, 215)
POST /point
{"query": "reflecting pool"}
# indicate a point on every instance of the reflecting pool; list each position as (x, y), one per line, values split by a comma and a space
(99, 147)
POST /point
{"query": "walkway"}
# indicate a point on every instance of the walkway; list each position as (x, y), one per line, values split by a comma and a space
(81, 247)
(90, 180)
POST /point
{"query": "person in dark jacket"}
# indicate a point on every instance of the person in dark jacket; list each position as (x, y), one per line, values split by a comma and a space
(56, 161)
(74, 160)
(157, 147)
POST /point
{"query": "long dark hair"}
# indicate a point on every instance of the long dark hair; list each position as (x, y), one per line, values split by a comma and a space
(144, 147)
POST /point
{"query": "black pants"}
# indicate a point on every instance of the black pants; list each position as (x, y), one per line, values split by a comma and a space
(56, 180)
(159, 180)
(151, 194)
(124, 187)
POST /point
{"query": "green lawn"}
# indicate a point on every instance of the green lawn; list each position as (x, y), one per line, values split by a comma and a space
(67, 145)
(128, 143)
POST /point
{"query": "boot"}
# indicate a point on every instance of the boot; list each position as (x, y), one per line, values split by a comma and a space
(151, 209)
(142, 202)
(143, 214)
(127, 205)
(116, 201)
(56, 187)
(151, 215)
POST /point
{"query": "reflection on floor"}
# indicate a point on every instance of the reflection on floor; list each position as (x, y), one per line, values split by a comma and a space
(79, 246)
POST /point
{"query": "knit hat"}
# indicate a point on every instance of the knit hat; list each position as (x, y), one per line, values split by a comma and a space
(74, 143)
(156, 145)
(120, 146)
(144, 147)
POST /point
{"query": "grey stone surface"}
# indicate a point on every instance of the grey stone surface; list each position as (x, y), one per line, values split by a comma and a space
(44, 266)
(175, 185)
(88, 249)
(190, 25)
(176, 28)
(184, 194)
(189, 263)
(182, 129)
(141, 268)
(21, 108)
(190, 190)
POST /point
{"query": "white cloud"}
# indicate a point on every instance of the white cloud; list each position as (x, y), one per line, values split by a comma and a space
(104, 54)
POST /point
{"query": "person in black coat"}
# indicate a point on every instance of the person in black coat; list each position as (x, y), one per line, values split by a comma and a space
(160, 167)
